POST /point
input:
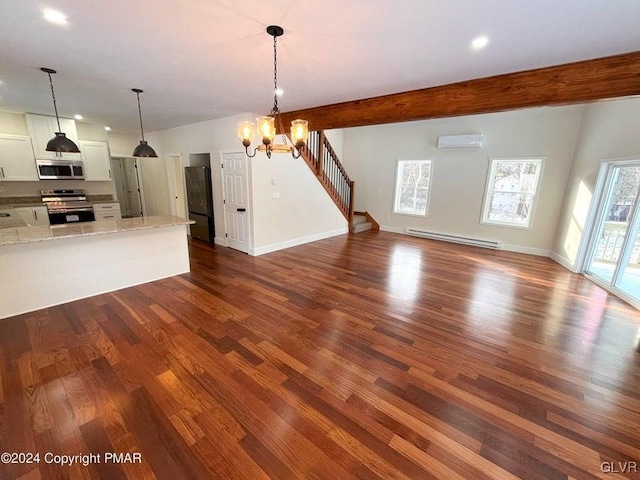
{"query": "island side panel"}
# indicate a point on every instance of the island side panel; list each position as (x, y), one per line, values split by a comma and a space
(42, 274)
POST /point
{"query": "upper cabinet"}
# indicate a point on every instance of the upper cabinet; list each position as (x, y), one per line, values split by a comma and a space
(95, 160)
(43, 128)
(17, 162)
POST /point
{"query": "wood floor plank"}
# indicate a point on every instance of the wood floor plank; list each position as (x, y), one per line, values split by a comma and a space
(372, 356)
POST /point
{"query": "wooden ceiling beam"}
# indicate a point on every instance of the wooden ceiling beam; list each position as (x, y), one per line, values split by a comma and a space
(607, 77)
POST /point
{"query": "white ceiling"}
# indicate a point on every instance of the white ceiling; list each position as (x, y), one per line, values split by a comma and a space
(204, 59)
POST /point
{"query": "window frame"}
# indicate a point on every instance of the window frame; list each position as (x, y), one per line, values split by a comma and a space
(488, 191)
(396, 190)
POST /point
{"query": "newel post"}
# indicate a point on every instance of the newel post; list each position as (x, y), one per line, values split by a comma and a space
(352, 202)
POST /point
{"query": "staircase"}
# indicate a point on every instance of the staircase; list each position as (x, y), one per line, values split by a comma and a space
(325, 164)
(360, 223)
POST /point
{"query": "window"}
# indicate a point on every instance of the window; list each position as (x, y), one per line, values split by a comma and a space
(413, 178)
(511, 191)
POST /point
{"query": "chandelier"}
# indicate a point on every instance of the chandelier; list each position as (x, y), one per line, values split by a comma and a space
(266, 126)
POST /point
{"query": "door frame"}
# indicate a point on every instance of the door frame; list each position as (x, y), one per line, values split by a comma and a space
(596, 212)
(249, 190)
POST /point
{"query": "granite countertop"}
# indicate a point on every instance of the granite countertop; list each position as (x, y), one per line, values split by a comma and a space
(14, 236)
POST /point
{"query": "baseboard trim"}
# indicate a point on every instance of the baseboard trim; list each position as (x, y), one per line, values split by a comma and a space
(387, 228)
(274, 247)
(565, 262)
(540, 252)
(220, 241)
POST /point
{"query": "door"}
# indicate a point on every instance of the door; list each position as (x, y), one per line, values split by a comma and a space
(234, 174)
(132, 187)
(175, 164)
(16, 159)
(614, 259)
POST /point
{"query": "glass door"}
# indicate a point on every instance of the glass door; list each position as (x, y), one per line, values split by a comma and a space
(615, 255)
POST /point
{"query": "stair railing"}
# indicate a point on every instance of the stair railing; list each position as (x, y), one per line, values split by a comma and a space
(326, 165)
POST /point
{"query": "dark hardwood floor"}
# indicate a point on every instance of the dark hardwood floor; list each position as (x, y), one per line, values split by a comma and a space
(373, 356)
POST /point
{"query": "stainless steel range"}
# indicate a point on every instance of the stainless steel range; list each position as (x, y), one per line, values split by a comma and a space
(67, 206)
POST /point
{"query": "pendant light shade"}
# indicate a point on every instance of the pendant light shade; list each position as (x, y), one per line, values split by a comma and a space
(142, 150)
(59, 143)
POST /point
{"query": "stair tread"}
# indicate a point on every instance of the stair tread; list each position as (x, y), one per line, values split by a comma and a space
(357, 219)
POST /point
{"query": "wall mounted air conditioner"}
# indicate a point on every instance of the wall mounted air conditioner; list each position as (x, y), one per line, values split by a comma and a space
(460, 141)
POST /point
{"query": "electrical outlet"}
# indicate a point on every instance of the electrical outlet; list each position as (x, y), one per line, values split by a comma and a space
(1, 188)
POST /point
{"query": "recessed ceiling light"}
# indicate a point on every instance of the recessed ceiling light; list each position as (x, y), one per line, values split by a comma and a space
(108, 129)
(54, 16)
(78, 116)
(479, 43)
(279, 92)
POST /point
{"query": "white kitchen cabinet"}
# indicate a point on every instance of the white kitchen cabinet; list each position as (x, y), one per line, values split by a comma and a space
(40, 215)
(43, 128)
(33, 216)
(17, 162)
(95, 160)
(106, 211)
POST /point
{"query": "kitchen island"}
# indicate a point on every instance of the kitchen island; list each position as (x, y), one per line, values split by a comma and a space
(44, 266)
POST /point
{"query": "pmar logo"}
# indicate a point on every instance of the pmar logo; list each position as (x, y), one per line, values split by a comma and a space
(112, 457)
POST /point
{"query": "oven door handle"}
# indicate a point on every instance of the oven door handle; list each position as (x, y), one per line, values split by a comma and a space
(70, 210)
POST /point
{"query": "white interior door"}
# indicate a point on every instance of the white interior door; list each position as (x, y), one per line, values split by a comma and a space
(236, 205)
(178, 188)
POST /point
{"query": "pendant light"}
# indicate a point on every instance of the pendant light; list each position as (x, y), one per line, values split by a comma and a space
(142, 150)
(266, 126)
(59, 143)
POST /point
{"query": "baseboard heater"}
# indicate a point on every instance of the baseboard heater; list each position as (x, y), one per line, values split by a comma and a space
(476, 242)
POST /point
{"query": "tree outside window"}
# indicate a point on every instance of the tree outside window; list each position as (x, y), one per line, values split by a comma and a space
(511, 190)
(413, 179)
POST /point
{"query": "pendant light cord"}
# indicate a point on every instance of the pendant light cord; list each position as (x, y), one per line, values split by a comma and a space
(140, 114)
(275, 75)
(55, 107)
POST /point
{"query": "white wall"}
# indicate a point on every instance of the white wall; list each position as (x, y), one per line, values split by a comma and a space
(13, 123)
(303, 212)
(91, 131)
(121, 145)
(609, 131)
(459, 175)
(336, 139)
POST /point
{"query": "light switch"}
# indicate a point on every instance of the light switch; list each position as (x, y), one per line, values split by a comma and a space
(273, 181)
(275, 194)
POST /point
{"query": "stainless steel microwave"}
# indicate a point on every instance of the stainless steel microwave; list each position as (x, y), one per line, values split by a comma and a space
(60, 170)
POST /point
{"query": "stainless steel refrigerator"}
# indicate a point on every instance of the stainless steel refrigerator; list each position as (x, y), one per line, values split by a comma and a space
(200, 202)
